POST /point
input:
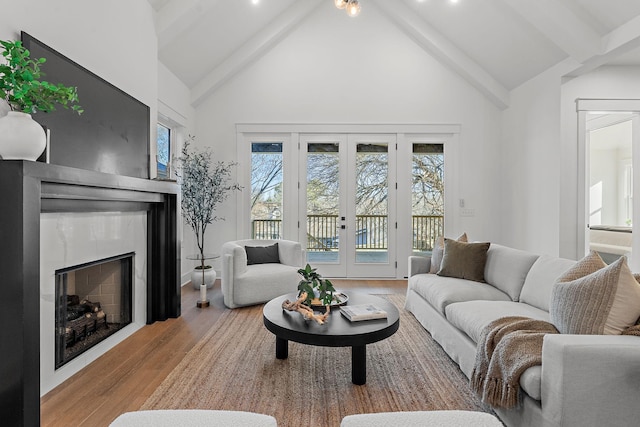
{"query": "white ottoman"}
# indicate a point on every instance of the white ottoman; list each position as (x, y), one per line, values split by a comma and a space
(422, 418)
(193, 418)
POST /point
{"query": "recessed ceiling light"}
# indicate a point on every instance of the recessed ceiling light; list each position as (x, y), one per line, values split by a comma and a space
(254, 2)
(454, 1)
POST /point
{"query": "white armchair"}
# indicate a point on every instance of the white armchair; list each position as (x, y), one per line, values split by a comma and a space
(244, 284)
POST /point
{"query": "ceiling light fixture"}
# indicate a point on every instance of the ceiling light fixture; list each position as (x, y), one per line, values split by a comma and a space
(351, 6)
(341, 4)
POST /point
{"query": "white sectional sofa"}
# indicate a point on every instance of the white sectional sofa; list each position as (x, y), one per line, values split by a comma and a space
(584, 380)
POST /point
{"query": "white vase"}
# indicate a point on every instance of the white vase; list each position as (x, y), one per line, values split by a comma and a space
(4, 108)
(21, 138)
(209, 277)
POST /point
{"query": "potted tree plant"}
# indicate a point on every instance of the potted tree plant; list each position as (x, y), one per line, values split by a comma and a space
(25, 93)
(204, 184)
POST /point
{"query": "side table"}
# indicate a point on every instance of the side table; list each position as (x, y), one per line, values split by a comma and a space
(210, 274)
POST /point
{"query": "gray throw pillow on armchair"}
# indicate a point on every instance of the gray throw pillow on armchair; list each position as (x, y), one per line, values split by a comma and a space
(262, 254)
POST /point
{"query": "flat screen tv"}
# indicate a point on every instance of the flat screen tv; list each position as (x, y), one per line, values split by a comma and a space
(112, 134)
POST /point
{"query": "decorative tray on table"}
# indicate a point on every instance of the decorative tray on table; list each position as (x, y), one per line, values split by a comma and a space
(339, 298)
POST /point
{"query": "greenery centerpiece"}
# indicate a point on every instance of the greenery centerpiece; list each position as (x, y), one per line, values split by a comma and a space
(204, 184)
(24, 91)
(319, 291)
(312, 290)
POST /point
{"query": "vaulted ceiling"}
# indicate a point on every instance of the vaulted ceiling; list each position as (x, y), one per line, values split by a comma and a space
(495, 44)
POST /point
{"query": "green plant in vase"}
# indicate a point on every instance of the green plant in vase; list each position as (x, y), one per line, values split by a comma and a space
(319, 291)
(25, 93)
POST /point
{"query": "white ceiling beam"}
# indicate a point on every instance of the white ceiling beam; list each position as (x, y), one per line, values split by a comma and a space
(258, 45)
(446, 52)
(178, 16)
(623, 39)
(560, 25)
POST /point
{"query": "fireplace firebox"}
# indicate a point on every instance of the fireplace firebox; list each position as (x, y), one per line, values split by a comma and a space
(93, 301)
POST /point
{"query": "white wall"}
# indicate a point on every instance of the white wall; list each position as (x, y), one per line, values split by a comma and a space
(531, 164)
(362, 71)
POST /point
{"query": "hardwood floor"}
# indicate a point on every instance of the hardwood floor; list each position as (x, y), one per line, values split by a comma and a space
(123, 379)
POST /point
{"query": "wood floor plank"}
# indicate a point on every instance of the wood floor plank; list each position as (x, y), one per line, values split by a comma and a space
(122, 379)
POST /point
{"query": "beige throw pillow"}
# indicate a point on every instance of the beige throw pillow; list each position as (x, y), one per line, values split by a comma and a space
(464, 260)
(438, 252)
(600, 301)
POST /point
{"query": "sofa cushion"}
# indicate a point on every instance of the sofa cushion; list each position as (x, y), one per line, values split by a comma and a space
(538, 285)
(262, 254)
(471, 317)
(438, 251)
(439, 292)
(606, 301)
(507, 268)
(464, 260)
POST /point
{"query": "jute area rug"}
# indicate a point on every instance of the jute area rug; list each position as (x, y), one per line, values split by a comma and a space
(234, 367)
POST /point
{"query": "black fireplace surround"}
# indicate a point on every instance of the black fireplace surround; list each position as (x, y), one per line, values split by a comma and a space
(28, 189)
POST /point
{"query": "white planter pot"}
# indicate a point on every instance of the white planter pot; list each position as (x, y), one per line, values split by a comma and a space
(209, 277)
(4, 108)
(21, 138)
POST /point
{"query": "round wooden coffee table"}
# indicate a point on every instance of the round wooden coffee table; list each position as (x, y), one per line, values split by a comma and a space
(336, 332)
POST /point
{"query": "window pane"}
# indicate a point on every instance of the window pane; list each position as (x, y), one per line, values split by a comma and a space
(427, 195)
(163, 149)
(372, 210)
(266, 190)
(323, 192)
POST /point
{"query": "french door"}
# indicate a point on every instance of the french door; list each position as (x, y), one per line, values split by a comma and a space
(349, 206)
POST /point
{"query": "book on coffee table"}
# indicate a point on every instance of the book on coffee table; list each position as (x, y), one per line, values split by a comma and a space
(356, 313)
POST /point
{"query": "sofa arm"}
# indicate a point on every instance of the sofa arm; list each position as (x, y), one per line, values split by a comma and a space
(419, 265)
(226, 281)
(590, 380)
(291, 253)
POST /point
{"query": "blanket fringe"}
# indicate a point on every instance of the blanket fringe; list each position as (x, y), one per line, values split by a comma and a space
(477, 381)
(498, 393)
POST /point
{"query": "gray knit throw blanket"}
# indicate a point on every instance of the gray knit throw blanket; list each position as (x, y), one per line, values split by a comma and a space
(507, 347)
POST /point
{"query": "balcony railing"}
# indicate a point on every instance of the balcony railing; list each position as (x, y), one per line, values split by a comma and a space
(426, 229)
(371, 231)
(266, 229)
